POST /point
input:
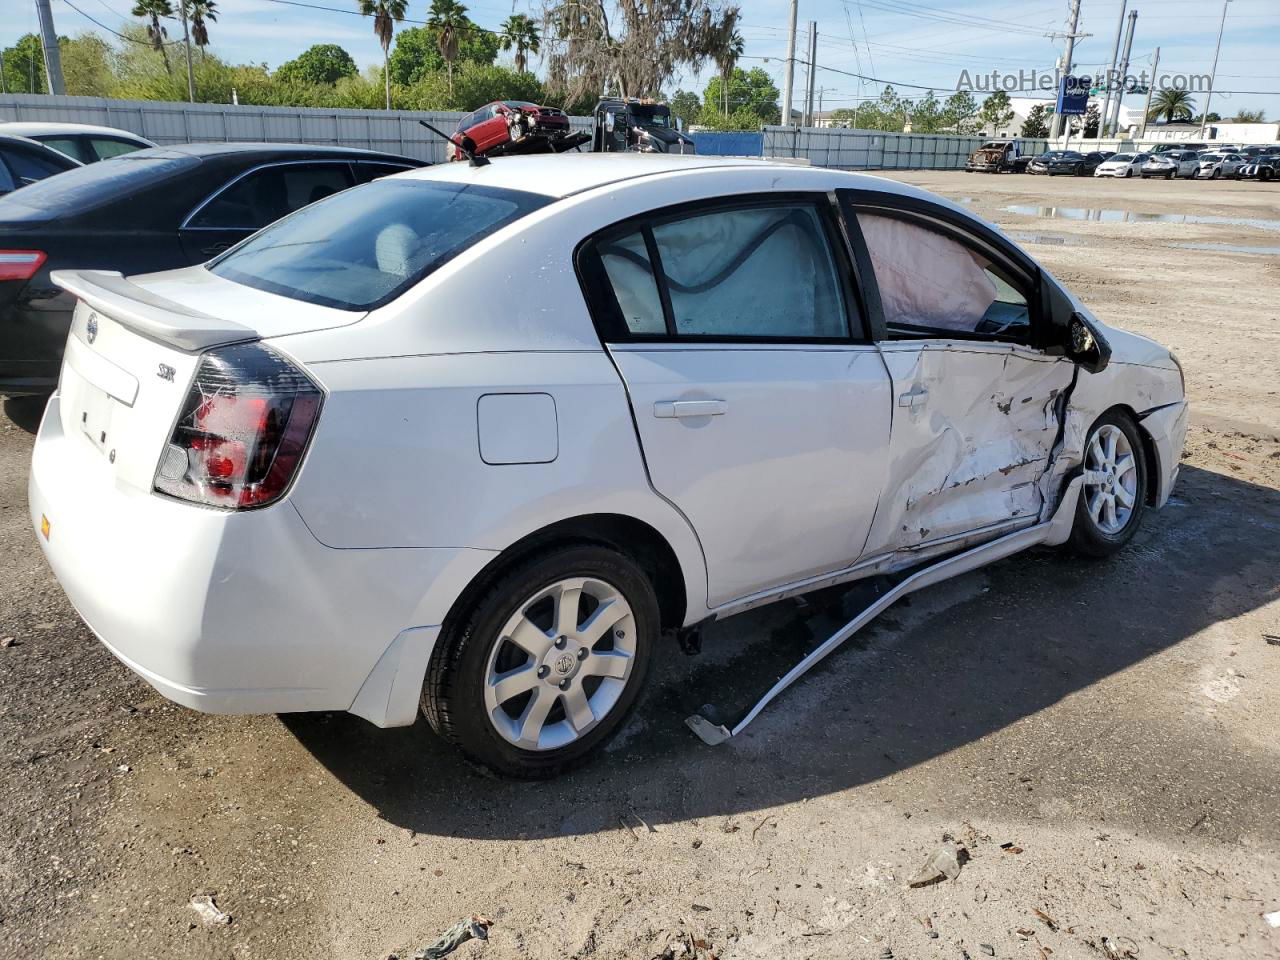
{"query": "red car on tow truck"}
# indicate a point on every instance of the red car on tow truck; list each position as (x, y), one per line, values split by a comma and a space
(512, 127)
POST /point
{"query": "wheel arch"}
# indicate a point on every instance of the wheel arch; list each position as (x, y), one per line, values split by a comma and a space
(632, 537)
(1149, 456)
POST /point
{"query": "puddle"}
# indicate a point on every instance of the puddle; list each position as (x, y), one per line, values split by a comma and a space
(1047, 239)
(1229, 248)
(1097, 215)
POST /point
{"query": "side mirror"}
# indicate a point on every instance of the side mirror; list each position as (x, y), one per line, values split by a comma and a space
(680, 124)
(610, 121)
(1086, 345)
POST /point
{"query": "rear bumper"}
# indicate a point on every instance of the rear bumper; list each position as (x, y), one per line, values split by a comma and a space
(238, 612)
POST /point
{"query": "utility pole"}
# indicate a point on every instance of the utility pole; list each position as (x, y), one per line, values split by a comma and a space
(1111, 71)
(1066, 61)
(813, 70)
(1114, 123)
(1146, 107)
(1213, 74)
(186, 44)
(791, 67)
(52, 57)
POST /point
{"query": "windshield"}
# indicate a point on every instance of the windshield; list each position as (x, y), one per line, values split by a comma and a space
(84, 188)
(1070, 155)
(651, 115)
(361, 248)
(1122, 156)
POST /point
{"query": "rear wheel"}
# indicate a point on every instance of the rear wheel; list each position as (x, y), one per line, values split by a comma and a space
(1112, 499)
(547, 663)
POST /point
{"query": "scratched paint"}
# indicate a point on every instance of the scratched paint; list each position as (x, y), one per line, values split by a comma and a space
(972, 454)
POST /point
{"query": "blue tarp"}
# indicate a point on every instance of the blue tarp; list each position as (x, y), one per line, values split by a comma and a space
(729, 144)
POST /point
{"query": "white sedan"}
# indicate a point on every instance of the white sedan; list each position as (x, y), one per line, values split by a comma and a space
(1214, 166)
(472, 438)
(1122, 165)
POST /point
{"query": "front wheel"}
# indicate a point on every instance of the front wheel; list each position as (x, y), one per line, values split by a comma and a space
(1216, 174)
(1112, 499)
(547, 663)
(1128, 173)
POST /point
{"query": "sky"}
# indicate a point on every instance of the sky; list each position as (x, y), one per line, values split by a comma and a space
(901, 41)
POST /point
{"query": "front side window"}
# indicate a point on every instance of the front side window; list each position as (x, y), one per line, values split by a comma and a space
(756, 272)
(933, 285)
(367, 245)
(266, 195)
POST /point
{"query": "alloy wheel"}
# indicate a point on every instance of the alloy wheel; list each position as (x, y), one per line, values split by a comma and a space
(1110, 479)
(561, 663)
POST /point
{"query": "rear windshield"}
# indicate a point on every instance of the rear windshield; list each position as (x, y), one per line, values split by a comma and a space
(90, 186)
(361, 248)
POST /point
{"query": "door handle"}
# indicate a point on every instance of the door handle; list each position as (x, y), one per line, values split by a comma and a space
(917, 396)
(663, 409)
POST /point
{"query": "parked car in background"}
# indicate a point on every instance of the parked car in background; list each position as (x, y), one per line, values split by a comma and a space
(509, 127)
(79, 141)
(345, 467)
(999, 156)
(1040, 164)
(1072, 163)
(1260, 168)
(24, 162)
(149, 210)
(1121, 165)
(1213, 166)
(1172, 163)
(1180, 147)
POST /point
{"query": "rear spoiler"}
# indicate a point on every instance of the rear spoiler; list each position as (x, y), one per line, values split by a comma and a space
(148, 315)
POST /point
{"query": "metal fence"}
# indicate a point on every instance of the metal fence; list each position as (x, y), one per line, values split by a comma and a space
(391, 131)
(874, 149)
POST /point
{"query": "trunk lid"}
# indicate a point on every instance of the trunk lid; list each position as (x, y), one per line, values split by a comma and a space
(134, 347)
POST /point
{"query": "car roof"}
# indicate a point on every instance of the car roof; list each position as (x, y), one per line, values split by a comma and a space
(560, 175)
(26, 128)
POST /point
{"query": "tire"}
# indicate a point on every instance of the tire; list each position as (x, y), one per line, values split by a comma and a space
(1128, 173)
(461, 704)
(1264, 174)
(1107, 532)
(1217, 172)
(1169, 175)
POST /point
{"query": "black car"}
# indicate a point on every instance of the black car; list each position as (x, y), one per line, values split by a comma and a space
(23, 162)
(1266, 167)
(150, 210)
(1074, 164)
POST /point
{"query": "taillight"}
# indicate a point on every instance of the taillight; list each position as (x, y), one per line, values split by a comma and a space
(243, 429)
(20, 264)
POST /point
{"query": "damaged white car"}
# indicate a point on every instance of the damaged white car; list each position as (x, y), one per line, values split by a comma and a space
(471, 438)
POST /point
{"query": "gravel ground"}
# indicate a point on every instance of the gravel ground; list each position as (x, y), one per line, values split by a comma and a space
(1102, 737)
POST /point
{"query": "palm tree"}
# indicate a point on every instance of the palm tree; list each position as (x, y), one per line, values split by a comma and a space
(153, 10)
(522, 33)
(1172, 105)
(202, 11)
(727, 59)
(447, 18)
(384, 13)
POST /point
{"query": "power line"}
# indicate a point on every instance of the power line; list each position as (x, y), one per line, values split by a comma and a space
(100, 24)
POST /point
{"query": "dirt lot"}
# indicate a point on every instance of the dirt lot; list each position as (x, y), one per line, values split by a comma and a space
(1118, 723)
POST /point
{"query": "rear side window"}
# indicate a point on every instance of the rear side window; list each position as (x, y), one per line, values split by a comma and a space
(760, 272)
(104, 148)
(65, 145)
(85, 188)
(266, 195)
(365, 246)
(28, 166)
